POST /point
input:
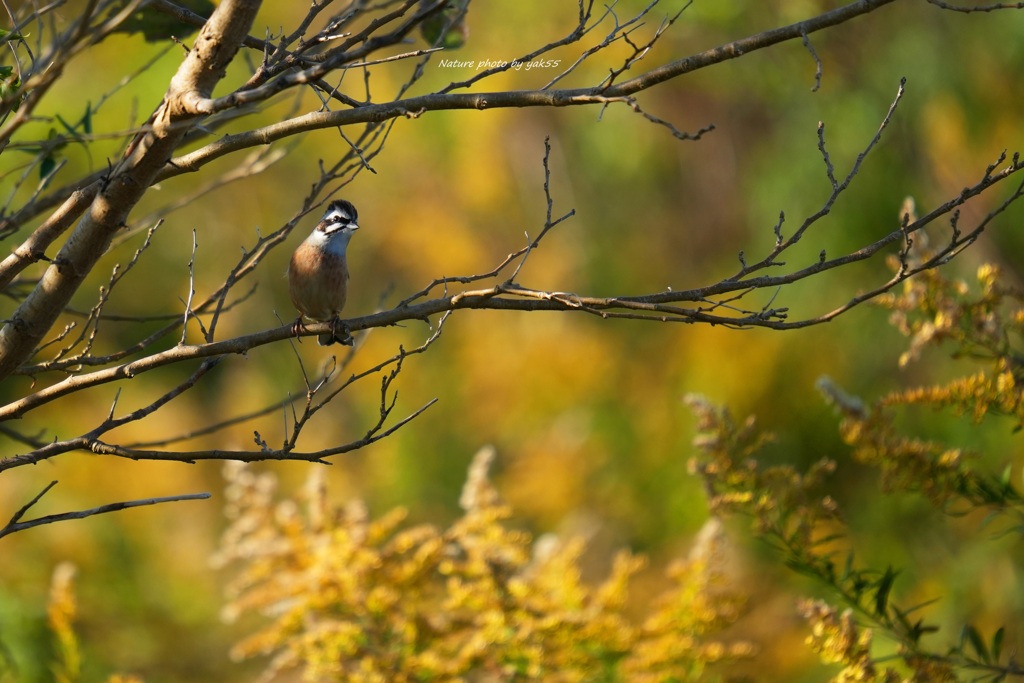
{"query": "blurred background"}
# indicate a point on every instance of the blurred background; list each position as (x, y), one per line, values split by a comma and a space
(586, 414)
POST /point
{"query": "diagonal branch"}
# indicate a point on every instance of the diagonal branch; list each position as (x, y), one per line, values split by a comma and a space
(446, 100)
(204, 66)
(442, 101)
(662, 307)
(15, 525)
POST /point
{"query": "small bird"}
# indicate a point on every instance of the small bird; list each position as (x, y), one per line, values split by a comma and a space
(318, 272)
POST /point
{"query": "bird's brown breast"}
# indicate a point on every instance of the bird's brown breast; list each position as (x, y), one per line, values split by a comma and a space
(318, 282)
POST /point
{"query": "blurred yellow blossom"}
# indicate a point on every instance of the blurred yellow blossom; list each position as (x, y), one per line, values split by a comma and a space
(350, 598)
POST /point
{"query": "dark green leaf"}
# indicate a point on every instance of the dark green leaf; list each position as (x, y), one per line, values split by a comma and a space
(447, 28)
(858, 584)
(919, 606)
(46, 166)
(67, 126)
(9, 85)
(10, 35)
(824, 540)
(882, 594)
(901, 617)
(156, 26)
(997, 643)
(971, 635)
(920, 628)
(848, 568)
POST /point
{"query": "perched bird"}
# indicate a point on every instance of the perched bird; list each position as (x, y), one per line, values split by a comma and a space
(318, 272)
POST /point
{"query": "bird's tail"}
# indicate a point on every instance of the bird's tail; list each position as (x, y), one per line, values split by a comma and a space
(339, 334)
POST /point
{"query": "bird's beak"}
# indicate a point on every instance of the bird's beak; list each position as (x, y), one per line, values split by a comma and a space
(330, 229)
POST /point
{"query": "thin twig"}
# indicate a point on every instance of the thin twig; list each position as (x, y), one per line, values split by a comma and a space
(982, 8)
(817, 63)
(14, 525)
(191, 286)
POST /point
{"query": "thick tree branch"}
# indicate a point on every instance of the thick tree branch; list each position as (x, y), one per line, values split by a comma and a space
(204, 66)
(34, 248)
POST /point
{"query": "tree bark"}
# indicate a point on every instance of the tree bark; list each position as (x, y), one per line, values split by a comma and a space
(205, 65)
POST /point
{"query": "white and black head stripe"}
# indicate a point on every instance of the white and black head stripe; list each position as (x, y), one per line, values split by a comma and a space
(341, 211)
(340, 215)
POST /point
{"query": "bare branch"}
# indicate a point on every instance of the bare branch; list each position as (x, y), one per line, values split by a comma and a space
(817, 63)
(14, 525)
(191, 286)
(92, 321)
(983, 8)
(33, 249)
(93, 218)
(446, 100)
(837, 190)
(632, 104)
(25, 508)
(204, 66)
(50, 66)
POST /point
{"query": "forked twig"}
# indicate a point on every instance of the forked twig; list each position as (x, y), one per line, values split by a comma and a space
(16, 525)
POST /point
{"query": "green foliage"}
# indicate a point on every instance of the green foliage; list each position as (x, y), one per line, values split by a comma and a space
(447, 28)
(984, 327)
(156, 26)
(48, 153)
(795, 514)
(9, 81)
